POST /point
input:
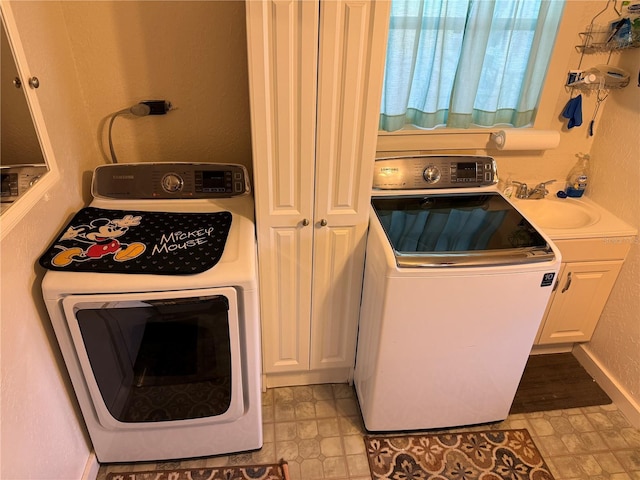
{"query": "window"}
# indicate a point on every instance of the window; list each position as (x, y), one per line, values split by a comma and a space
(467, 63)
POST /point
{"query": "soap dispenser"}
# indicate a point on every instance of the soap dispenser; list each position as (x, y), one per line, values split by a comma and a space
(578, 176)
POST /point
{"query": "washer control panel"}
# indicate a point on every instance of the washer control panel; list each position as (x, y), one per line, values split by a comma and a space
(434, 171)
(169, 180)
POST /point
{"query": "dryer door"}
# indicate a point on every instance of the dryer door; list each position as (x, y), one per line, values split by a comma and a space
(160, 356)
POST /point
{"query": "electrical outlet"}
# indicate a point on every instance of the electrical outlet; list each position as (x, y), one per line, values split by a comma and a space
(157, 107)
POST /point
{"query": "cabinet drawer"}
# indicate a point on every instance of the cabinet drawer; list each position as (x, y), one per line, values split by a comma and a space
(594, 249)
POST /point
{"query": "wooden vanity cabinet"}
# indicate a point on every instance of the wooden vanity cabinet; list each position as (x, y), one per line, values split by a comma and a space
(589, 270)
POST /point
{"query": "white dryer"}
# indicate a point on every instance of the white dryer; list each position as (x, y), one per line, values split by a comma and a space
(152, 293)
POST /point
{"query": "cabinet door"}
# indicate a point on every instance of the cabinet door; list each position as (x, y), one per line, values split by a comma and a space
(350, 74)
(580, 297)
(282, 37)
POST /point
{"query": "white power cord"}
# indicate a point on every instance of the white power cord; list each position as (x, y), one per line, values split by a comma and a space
(138, 110)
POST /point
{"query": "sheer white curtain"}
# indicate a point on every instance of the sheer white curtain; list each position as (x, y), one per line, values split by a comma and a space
(466, 63)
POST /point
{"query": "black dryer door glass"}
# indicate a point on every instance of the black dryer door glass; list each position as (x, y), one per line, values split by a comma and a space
(161, 360)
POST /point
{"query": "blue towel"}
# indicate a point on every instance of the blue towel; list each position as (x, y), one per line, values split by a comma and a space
(573, 111)
(461, 230)
(433, 231)
(414, 224)
(465, 238)
(395, 225)
(404, 228)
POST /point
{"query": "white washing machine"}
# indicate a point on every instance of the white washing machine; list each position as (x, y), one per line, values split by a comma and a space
(152, 292)
(456, 283)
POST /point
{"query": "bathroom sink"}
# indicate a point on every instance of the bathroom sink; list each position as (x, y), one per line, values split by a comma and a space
(571, 218)
(559, 213)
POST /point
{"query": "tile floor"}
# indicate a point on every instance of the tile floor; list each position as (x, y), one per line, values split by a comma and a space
(318, 430)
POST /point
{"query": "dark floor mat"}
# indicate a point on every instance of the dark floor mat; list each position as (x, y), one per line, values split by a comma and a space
(554, 382)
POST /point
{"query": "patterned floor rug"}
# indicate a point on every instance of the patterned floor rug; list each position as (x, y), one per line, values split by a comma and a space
(277, 471)
(489, 455)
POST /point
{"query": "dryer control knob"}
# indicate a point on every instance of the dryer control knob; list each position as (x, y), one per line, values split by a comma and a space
(431, 174)
(172, 182)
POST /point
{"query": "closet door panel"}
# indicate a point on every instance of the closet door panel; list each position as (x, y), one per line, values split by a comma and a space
(337, 281)
(351, 63)
(283, 70)
(282, 54)
(351, 69)
(295, 30)
(286, 297)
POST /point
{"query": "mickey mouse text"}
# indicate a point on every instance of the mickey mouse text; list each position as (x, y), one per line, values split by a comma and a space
(182, 240)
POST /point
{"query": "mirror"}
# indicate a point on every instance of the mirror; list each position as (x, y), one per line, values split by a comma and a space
(21, 160)
(20, 143)
(28, 172)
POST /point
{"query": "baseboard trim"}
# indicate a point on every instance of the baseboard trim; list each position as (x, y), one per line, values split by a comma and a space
(548, 349)
(308, 377)
(620, 396)
(91, 468)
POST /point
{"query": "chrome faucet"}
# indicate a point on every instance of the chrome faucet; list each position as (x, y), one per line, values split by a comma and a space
(536, 193)
(523, 190)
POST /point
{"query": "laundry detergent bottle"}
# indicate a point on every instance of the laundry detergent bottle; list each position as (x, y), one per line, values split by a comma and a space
(578, 177)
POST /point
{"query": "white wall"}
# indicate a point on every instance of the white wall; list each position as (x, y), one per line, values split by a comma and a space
(616, 186)
(192, 53)
(42, 433)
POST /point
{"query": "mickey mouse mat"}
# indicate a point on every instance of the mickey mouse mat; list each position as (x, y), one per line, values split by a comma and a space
(122, 241)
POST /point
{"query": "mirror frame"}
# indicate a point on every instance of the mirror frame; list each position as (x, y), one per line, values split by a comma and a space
(19, 209)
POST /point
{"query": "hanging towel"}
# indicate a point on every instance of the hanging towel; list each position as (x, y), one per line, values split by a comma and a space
(573, 111)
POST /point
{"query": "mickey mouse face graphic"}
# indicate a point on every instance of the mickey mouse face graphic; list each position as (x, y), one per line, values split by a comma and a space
(101, 236)
(105, 230)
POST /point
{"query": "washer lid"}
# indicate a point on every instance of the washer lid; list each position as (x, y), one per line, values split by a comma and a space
(463, 229)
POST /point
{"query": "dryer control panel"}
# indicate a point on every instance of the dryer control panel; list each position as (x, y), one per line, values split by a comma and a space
(434, 171)
(169, 180)
(17, 179)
